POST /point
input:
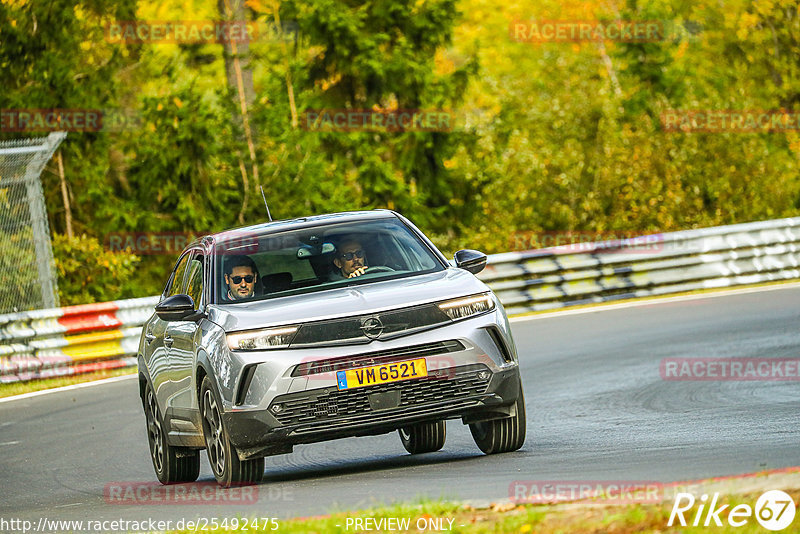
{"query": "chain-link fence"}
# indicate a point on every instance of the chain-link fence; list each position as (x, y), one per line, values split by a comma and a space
(27, 270)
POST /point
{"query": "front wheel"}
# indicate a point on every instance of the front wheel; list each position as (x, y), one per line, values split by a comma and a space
(225, 463)
(423, 437)
(172, 464)
(502, 435)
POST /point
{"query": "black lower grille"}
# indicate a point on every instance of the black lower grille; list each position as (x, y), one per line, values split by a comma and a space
(331, 404)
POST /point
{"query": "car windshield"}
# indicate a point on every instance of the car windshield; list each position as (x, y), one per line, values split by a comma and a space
(254, 266)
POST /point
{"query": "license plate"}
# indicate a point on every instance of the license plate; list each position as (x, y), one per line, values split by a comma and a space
(381, 374)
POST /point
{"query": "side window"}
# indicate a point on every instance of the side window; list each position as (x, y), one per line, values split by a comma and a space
(194, 277)
(176, 284)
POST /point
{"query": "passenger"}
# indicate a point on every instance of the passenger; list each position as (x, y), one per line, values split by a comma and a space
(241, 277)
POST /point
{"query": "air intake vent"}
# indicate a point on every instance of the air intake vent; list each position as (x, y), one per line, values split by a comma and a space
(497, 337)
(244, 384)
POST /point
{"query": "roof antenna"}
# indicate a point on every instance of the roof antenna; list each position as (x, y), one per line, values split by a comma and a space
(265, 202)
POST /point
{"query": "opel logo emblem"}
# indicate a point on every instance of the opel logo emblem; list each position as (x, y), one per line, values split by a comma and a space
(372, 327)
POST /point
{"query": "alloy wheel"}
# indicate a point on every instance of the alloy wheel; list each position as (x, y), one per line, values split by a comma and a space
(214, 437)
(154, 432)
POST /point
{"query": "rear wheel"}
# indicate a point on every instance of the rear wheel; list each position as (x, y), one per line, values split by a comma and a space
(172, 464)
(502, 435)
(423, 437)
(225, 463)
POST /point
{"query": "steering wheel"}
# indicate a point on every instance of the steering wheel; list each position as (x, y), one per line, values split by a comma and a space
(379, 269)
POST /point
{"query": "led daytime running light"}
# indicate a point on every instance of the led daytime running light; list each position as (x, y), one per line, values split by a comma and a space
(467, 307)
(262, 339)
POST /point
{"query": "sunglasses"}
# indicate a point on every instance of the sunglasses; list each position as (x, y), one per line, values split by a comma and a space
(238, 279)
(350, 255)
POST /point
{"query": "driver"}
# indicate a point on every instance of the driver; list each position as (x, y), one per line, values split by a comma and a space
(351, 259)
(241, 277)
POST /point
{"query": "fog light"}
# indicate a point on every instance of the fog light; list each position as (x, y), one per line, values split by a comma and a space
(483, 375)
(276, 408)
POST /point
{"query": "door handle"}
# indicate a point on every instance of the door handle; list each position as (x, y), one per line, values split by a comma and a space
(168, 341)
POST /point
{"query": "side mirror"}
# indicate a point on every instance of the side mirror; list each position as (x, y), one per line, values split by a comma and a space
(176, 308)
(470, 260)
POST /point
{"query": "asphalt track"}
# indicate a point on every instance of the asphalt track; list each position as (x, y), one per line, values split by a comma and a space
(597, 409)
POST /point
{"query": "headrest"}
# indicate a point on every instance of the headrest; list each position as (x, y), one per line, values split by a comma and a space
(276, 282)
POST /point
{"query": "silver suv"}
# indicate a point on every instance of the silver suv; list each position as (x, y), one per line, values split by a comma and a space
(349, 324)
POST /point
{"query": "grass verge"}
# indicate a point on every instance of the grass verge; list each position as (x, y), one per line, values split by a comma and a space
(9, 390)
(590, 518)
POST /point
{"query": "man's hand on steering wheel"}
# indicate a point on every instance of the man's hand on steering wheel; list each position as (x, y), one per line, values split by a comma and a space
(375, 269)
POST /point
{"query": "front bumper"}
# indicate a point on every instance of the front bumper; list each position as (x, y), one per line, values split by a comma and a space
(470, 392)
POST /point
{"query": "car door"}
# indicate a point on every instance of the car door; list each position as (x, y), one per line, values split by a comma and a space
(183, 337)
(156, 349)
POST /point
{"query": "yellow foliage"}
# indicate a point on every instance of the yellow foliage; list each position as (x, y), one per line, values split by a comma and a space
(257, 6)
(747, 22)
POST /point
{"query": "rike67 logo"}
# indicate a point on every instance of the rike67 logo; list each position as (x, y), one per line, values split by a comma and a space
(774, 511)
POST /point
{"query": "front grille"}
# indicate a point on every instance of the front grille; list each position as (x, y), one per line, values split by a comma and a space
(377, 357)
(331, 404)
(350, 330)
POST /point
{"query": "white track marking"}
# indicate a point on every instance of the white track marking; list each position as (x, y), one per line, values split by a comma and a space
(646, 301)
(68, 388)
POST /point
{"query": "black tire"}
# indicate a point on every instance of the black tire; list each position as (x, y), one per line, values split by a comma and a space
(423, 437)
(225, 463)
(172, 464)
(502, 435)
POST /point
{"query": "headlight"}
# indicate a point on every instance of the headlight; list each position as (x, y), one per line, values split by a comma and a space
(468, 306)
(268, 338)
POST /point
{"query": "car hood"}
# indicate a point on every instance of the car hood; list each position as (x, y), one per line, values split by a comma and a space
(347, 301)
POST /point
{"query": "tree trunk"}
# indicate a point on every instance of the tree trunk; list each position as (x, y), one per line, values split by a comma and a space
(65, 195)
(240, 80)
(234, 11)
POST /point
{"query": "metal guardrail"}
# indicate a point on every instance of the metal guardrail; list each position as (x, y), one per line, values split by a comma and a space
(659, 264)
(77, 339)
(71, 340)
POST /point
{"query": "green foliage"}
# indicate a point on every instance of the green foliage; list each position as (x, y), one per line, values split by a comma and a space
(549, 136)
(382, 56)
(89, 273)
(565, 147)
